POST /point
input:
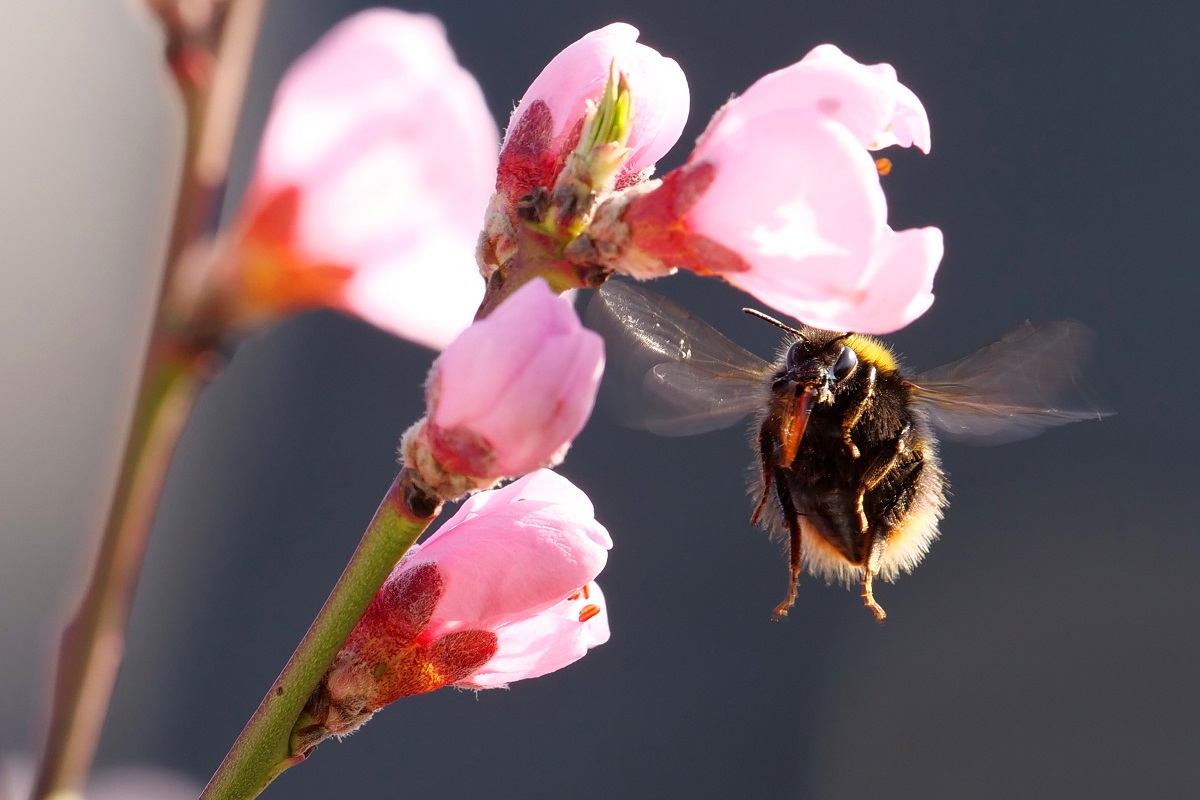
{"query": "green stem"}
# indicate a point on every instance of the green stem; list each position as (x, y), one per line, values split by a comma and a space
(263, 749)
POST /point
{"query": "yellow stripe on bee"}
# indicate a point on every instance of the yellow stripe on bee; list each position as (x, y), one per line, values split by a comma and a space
(872, 351)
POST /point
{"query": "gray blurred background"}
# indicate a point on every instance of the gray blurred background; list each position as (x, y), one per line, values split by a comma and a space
(1046, 648)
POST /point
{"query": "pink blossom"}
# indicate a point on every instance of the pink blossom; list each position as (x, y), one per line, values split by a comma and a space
(546, 124)
(502, 592)
(372, 179)
(512, 391)
(782, 199)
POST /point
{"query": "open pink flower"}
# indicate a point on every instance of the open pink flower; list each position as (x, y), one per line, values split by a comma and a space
(545, 126)
(782, 199)
(502, 592)
(371, 183)
(512, 391)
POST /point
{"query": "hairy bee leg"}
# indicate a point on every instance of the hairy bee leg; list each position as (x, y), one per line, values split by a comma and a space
(792, 519)
(767, 471)
(877, 472)
(856, 413)
(870, 570)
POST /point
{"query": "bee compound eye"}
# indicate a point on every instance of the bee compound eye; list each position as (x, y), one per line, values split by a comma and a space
(845, 363)
(795, 355)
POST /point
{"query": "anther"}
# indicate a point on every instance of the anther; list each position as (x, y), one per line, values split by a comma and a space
(883, 165)
(588, 611)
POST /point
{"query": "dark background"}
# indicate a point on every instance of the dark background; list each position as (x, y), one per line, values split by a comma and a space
(1046, 648)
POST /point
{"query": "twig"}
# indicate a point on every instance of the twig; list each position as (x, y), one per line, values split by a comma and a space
(172, 372)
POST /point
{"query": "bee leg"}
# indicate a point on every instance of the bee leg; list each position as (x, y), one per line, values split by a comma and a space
(766, 451)
(869, 571)
(877, 472)
(856, 413)
(792, 520)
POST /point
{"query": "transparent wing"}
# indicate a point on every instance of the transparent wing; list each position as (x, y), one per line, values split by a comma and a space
(668, 371)
(1012, 389)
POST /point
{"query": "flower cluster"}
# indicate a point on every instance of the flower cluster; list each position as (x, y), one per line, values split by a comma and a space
(379, 157)
(502, 592)
(382, 189)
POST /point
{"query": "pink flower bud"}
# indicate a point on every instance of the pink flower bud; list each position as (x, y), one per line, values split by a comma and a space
(546, 124)
(502, 592)
(371, 183)
(512, 391)
(782, 199)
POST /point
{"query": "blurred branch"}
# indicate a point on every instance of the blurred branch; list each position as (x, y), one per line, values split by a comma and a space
(212, 79)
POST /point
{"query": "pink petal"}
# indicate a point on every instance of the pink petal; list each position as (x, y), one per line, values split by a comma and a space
(899, 282)
(578, 74)
(404, 296)
(540, 488)
(538, 645)
(822, 204)
(524, 379)
(910, 125)
(394, 152)
(828, 82)
(866, 99)
(488, 356)
(505, 560)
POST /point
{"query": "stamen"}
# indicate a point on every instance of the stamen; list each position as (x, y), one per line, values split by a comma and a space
(587, 594)
(883, 166)
(588, 611)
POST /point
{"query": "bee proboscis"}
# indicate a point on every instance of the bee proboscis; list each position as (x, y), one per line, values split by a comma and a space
(848, 465)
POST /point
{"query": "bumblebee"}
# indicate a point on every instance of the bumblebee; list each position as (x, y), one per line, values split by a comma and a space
(848, 471)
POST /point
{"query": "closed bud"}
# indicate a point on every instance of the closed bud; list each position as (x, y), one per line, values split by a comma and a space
(547, 123)
(507, 396)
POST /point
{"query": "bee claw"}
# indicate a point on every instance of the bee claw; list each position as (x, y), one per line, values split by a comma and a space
(781, 610)
(868, 595)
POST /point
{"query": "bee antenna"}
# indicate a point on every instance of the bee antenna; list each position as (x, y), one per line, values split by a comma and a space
(756, 313)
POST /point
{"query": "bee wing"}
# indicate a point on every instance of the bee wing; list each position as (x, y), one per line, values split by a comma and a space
(1012, 389)
(669, 372)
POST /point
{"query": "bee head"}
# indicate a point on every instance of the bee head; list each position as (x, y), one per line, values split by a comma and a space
(819, 365)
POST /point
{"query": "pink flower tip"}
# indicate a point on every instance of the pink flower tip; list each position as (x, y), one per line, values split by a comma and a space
(545, 125)
(513, 390)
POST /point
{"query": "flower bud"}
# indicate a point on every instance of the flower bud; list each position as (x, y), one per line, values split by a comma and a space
(546, 125)
(782, 199)
(507, 396)
(372, 179)
(502, 592)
